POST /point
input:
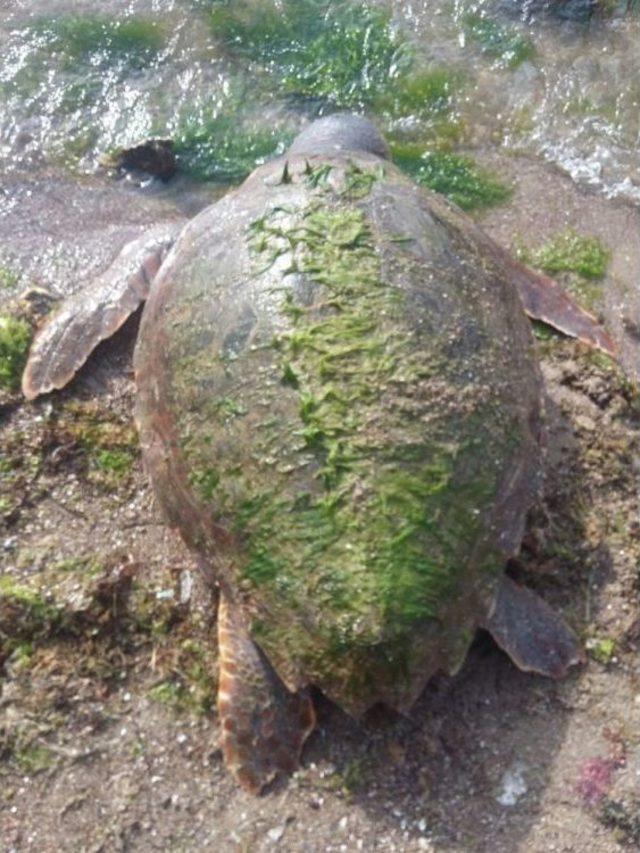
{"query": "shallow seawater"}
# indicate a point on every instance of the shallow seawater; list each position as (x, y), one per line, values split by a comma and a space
(561, 85)
(571, 98)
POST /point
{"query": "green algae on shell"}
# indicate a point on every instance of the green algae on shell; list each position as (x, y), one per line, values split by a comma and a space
(351, 495)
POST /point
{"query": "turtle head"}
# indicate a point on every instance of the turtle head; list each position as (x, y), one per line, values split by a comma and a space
(340, 132)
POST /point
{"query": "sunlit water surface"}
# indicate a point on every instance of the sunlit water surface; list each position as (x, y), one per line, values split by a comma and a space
(569, 93)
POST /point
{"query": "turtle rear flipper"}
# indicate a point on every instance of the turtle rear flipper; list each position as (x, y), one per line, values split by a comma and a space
(264, 725)
(69, 337)
(534, 636)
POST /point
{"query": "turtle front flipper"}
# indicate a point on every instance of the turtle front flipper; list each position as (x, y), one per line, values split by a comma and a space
(544, 299)
(264, 725)
(534, 636)
(71, 334)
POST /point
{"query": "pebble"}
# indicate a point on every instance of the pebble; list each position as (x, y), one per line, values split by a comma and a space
(513, 785)
(276, 833)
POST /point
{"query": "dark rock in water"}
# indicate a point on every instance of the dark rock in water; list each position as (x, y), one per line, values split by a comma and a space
(573, 10)
(566, 10)
(154, 156)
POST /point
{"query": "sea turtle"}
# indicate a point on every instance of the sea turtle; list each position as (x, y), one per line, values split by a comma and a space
(339, 408)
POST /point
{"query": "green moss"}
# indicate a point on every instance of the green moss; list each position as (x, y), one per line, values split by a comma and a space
(601, 649)
(356, 776)
(455, 176)
(623, 817)
(205, 481)
(15, 339)
(429, 92)
(569, 252)
(22, 655)
(545, 335)
(109, 446)
(86, 566)
(169, 693)
(504, 44)
(229, 408)
(216, 147)
(33, 758)
(357, 184)
(582, 260)
(116, 462)
(317, 176)
(606, 363)
(95, 39)
(25, 615)
(193, 691)
(8, 277)
(11, 590)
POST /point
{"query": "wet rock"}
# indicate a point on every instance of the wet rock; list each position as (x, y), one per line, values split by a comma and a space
(154, 156)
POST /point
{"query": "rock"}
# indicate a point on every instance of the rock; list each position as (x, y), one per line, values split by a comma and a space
(154, 156)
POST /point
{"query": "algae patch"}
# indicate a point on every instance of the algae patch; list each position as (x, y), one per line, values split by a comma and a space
(8, 277)
(602, 649)
(428, 92)
(107, 447)
(216, 147)
(506, 45)
(581, 260)
(25, 616)
(569, 252)
(345, 53)
(344, 361)
(15, 339)
(193, 685)
(98, 39)
(455, 176)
